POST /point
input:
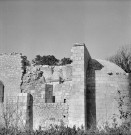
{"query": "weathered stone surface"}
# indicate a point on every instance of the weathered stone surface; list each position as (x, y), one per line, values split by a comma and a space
(46, 114)
(77, 104)
(17, 112)
(11, 73)
(86, 92)
(109, 87)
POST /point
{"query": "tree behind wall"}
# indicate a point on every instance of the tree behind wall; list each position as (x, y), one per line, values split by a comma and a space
(50, 60)
(122, 58)
(65, 61)
(45, 60)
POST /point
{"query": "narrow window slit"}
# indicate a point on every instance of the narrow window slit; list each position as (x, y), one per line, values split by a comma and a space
(64, 100)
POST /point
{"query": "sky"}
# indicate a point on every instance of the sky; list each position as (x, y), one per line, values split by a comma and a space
(52, 27)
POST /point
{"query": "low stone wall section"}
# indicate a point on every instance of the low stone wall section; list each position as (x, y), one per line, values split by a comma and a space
(47, 114)
(17, 112)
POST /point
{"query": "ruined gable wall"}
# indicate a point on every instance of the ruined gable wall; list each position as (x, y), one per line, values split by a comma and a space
(109, 93)
(114, 90)
(11, 73)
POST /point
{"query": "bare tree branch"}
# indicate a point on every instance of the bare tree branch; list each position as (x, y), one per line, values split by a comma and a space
(122, 58)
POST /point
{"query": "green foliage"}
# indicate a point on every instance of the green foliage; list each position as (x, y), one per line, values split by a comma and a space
(65, 61)
(45, 60)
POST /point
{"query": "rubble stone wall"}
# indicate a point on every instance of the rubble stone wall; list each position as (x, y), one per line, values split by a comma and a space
(39, 81)
(36, 79)
(47, 114)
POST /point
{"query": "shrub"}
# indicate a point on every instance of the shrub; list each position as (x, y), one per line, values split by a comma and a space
(50, 60)
(61, 130)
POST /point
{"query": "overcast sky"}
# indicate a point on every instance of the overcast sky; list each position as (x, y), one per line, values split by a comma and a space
(51, 27)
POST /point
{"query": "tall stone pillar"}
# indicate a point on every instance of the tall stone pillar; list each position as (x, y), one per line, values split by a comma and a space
(80, 56)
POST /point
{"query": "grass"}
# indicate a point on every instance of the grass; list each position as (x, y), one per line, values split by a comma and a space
(61, 130)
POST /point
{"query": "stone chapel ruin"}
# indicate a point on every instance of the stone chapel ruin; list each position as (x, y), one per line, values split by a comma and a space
(86, 92)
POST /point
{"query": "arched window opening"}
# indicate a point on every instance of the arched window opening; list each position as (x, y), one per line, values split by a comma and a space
(1, 92)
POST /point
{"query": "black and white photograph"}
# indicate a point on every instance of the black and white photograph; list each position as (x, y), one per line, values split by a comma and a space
(65, 67)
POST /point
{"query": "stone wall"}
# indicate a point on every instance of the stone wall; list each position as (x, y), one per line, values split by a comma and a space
(12, 102)
(11, 73)
(109, 94)
(62, 92)
(36, 79)
(77, 111)
(17, 112)
(87, 92)
(50, 88)
(25, 109)
(47, 114)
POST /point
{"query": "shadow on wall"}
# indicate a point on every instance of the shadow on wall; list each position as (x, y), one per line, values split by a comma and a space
(91, 93)
(129, 79)
(1, 92)
(29, 115)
